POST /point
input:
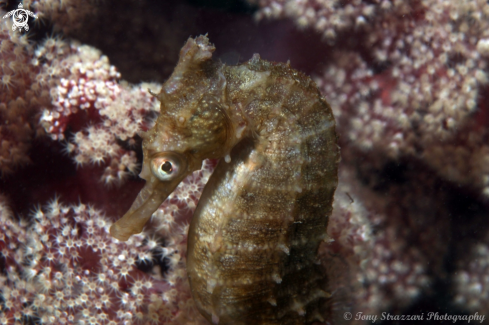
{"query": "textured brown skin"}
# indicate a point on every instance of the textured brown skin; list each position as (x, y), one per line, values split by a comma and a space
(253, 240)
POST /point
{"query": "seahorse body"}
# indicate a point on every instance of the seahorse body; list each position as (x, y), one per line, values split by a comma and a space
(254, 236)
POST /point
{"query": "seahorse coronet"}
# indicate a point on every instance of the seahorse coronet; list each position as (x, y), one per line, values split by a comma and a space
(254, 237)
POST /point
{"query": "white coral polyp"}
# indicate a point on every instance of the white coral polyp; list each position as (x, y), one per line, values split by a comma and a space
(483, 46)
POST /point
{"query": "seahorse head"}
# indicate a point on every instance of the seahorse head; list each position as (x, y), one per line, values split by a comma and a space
(192, 126)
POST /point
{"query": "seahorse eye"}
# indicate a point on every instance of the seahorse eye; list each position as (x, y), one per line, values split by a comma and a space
(166, 166)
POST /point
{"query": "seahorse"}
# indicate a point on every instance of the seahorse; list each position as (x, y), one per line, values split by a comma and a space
(253, 240)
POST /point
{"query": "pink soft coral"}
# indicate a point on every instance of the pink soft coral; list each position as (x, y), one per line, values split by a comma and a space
(408, 78)
(377, 252)
(67, 15)
(20, 97)
(89, 100)
(407, 81)
(63, 267)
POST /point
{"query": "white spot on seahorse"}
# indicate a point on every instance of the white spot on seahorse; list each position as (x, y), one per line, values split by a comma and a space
(276, 278)
(211, 284)
(239, 131)
(283, 248)
(299, 308)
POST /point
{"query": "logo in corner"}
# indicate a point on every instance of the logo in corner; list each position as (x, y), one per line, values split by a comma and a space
(20, 17)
